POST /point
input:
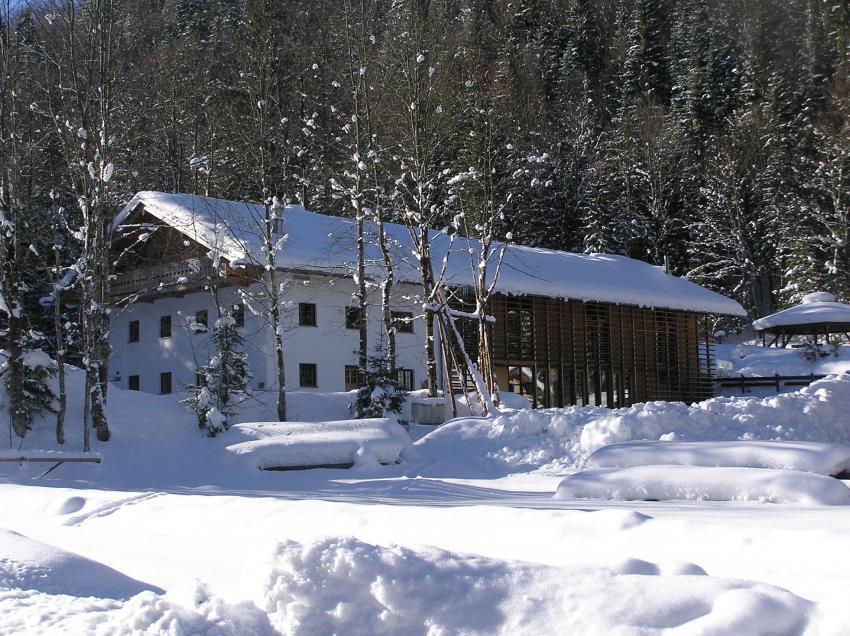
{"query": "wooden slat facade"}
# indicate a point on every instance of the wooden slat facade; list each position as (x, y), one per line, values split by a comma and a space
(558, 352)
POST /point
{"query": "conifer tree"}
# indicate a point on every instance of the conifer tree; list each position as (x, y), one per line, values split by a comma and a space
(222, 380)
(380, 393)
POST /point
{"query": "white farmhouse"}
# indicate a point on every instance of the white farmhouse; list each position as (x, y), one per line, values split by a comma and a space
(569, 328)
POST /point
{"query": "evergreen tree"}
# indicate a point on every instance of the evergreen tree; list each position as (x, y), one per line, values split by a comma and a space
(37, 394)
(645, 68)
(734, 238)
(222, 381)
(380, 394)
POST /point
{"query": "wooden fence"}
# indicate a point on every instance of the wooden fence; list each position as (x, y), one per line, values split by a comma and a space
(778, 382)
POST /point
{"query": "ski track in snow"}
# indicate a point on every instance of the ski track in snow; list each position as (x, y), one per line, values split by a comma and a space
(110, 508)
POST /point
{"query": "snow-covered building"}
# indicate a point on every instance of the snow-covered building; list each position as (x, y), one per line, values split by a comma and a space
(569, 328)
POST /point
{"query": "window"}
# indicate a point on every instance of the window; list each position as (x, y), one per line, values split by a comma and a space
(202, 321)
(404, 377)
(403, 321)
(165, 327)
(165, 383)
(352, 377)
(134, 331)
(200, 379)
(352, 317)
(133, 382)
(239, 315)
(307, 314)
(307, 375)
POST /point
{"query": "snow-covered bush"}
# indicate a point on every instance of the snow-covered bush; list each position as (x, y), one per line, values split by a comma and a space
(38, 394)
(380, 393)
(200, 402)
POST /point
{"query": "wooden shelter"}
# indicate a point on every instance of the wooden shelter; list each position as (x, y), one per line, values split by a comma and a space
(559, 352)
(818, 316)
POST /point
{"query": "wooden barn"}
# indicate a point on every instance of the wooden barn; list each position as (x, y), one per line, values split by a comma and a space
(560, 352)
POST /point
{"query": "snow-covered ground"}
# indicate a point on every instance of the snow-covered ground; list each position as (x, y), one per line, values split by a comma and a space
(178, 534)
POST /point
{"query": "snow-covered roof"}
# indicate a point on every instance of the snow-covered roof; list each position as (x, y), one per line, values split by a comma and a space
(817, 308)
(325, 244)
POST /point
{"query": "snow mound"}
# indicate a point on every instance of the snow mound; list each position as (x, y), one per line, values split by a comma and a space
(812, 457)
(364, 443)
(698, 483)
(195, 612)
(555, 440)
(345, 586)
(31, 565)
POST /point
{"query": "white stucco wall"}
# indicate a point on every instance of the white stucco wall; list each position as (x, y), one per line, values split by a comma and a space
(329, 344)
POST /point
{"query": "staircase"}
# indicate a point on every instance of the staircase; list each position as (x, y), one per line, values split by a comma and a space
(458, 384)
(460, 377)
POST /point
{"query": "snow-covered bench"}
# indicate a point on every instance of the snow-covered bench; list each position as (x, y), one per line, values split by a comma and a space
(302, 445)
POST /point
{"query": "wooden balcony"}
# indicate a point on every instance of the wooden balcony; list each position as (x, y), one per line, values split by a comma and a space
(168, 278)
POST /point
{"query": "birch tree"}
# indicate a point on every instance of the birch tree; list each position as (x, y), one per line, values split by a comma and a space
(84, 71)
(360, 182)
(419, 60)
(482, 197)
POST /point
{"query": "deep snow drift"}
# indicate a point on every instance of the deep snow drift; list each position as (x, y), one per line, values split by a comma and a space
(346, 586)
(558, 440)
(703, 483)
(350, 587)
(32, 565)
(813, 457)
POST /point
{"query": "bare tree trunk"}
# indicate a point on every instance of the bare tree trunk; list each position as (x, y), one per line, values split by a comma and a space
(363, 328)
(270, 246)
(96, 319)
(428, 289)
(87, 416)
(60, 366)
(17, 410)
(278, 345)
(60, 344)
(386, 289)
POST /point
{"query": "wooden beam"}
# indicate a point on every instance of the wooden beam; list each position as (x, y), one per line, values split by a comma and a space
(94, 459)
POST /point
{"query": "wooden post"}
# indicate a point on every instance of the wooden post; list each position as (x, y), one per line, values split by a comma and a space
(446, 371)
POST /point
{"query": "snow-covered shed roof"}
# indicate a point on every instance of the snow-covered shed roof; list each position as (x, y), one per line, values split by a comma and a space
(818, 308)
(325, 244)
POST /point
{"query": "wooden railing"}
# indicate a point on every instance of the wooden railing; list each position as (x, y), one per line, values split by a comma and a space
(169, 277)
